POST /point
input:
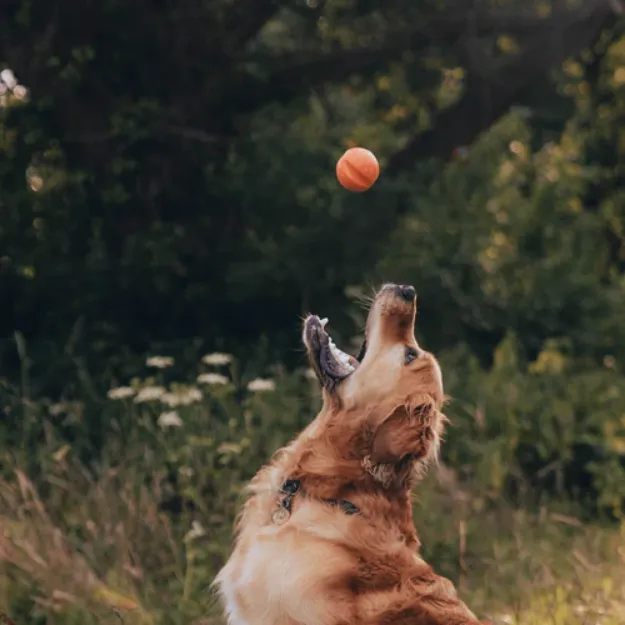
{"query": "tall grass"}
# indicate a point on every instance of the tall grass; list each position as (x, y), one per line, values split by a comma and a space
(135, 531)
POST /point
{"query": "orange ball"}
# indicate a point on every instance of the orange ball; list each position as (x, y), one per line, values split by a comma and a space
(357, 169)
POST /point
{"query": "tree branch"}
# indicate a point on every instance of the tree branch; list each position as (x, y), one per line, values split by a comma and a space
(246, 20)
(289, 77)
(486, 99)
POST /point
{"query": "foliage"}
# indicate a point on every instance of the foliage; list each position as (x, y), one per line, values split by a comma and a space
(179, 158)
(141, 531)
(167, 186)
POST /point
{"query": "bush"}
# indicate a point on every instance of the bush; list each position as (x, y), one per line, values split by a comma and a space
(530, 423)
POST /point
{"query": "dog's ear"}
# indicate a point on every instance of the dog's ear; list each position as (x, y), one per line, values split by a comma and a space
(409, 430)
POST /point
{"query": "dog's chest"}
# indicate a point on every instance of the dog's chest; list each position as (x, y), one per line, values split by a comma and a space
(287, 575)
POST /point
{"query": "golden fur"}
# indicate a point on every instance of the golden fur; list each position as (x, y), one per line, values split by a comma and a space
(373, 438)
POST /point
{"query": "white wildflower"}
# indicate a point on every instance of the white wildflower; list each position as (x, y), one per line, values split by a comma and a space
(149, 393)
(229, 448)
(214, 379)
(121, 392)
(170, 399)
(181, 397)
(56, 409)
(8, 78)
(260, 385)
(191, 395)
(310, 374)
(195, 532)
(169, 420)
(20, 92)
(159, 362)
(217, 359)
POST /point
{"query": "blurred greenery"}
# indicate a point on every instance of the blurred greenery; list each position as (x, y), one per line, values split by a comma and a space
(167, 191)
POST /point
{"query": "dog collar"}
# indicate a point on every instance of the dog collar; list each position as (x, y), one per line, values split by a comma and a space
(290, 488)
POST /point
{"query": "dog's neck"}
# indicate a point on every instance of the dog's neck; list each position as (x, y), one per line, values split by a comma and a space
(331, 467)
(331, 456)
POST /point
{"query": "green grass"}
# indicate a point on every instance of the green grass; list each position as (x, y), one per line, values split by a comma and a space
(101, 550)
(524, 568)
(85, 543)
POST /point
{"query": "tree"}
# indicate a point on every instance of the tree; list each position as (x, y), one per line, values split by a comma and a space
(173, 142)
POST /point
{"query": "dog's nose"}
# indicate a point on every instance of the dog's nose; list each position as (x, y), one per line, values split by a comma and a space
(406, 292)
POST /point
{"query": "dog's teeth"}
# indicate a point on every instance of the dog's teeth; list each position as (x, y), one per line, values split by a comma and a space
(323, 322)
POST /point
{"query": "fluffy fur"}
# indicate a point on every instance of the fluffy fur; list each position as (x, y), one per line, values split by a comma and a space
(378, 429)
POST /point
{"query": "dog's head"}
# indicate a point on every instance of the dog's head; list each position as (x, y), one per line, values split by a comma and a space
(385, 403)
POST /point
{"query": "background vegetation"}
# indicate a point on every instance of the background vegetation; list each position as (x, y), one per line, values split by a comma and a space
(169, 210)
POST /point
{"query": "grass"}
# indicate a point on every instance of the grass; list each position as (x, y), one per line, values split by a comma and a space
(86, 543)
(524, 568)
(101, 551)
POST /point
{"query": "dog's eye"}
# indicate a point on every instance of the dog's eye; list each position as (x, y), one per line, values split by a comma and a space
(411, 354)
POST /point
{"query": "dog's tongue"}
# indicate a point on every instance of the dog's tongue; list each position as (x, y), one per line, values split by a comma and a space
(331, 365)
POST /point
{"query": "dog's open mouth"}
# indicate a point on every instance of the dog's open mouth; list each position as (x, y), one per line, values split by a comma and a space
(330, 363)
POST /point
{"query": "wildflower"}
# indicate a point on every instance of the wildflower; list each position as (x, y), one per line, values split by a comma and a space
(8, 78)
(73, 409)
(121, 392)
(310, 374)
(159, 362)
(213, 379)
(259, 385)
(149, 393)
(195, 532)
(170, 399)
(181, 397)
(191, 395)
(20, 92)
(169, 420)
(229, 448)
(56, 409)
(217, 359)
(186, 471)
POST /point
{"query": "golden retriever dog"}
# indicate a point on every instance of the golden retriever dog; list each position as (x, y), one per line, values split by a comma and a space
(326, 536)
